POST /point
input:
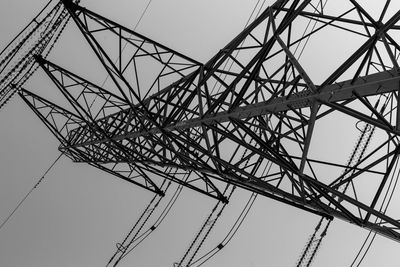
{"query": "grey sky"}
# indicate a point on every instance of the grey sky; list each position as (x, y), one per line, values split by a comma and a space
(78, 213)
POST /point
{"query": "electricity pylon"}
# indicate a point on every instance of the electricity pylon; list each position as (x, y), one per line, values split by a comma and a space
(264, 95)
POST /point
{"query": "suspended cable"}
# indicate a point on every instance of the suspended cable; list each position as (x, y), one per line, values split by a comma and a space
(51, 27)
(33, 21)
(142, 15)
(37, 38)
(360, 256)
(314, 243)
(205, 229)
(189, 257)
(233, 230)
(159, 220)
(136, 235)
(362, 144)
(137, 228)
(30, 191)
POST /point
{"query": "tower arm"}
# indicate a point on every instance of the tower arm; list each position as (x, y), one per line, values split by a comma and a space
(374, 84)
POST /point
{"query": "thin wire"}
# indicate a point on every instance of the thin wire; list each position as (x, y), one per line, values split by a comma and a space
(141, 16)
(159, 220)
(368, 241)
(139, 239)
(34, 20)
(30, 191)
(233, 230)
(370, 232)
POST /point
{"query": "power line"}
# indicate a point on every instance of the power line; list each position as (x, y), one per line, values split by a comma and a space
(30, 191)
(364, 249)
(142, 15)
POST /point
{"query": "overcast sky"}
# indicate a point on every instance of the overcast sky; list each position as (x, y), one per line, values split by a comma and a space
(78, 214)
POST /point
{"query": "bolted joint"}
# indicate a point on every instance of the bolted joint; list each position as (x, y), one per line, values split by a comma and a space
(161, 193)
(38, 58)
(224, 199)
(69, 3)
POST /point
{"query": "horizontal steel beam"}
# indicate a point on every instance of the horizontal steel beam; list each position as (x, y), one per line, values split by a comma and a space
(374, 84)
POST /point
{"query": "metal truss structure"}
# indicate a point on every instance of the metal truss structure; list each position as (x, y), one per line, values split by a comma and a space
(261, 99)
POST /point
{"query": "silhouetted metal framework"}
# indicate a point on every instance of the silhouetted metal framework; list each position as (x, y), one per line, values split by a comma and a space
(254, 102)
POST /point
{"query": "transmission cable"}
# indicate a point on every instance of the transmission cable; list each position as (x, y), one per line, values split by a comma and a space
(126, 247)
(30, 191)
(371, 235)
(142, 15)
(205, 229)
(137, 228)
(34, 20)
(233, 230)
(157, 223)
(14, 73)
(50, 36)
(231, 233)
(313, 245)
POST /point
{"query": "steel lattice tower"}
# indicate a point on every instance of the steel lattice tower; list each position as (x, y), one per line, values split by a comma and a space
(255, 102)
